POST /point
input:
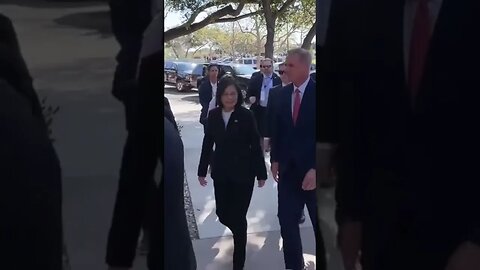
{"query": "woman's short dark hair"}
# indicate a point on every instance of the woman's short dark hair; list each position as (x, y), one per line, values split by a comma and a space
(226, 81)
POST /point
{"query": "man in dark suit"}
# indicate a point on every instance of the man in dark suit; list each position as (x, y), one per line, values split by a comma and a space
(409, 180)
(293, 157)
(207, 92)
(257, 93)
(270, 113)
(30, 173)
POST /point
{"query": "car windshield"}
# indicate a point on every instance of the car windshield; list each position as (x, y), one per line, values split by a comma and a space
(185, 67)
(244, 70)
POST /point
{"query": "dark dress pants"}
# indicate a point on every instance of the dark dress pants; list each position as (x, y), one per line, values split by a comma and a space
(291, 201)
(232, 202)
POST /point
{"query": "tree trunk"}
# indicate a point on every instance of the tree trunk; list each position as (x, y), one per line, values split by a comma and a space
(307, 42)
(270, 20)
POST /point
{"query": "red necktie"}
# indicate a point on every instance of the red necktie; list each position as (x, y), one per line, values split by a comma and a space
(296, 105)
(419, 46)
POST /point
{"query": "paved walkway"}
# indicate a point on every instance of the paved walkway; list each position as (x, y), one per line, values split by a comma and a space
(71, 57)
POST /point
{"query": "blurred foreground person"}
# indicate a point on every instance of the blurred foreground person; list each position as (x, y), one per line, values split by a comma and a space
(30, 173)
(408, 174)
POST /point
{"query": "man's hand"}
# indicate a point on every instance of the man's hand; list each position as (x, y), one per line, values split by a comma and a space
(261, 183)
(310, 180)
(252, 99)
(203, 181)
(274, 169)
(466, 257)
(349, 240)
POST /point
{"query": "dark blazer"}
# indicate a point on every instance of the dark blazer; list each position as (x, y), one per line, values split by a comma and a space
(271, 107)
(419, 157)
(205, 96)
(177, 246)
(255, 86)
(31, 193)
(295, 143)
(238, 155)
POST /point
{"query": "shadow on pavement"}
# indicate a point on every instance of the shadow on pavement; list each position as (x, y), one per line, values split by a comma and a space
(53, 3)
(97, 21)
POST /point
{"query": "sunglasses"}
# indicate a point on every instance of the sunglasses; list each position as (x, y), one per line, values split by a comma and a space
(266, 66)
(281, 72)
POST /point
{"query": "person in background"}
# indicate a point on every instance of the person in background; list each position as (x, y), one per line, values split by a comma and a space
(207, 92)
(30, 172)
(237, 160)
(257, 93)
(293, 155)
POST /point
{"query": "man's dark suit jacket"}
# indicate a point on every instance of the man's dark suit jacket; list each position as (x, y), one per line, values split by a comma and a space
(271, 107)
(238, 155)
(255, 86)
(31, 193)
(417, 162)
(177, 246)
(205, 96)
(294, 143)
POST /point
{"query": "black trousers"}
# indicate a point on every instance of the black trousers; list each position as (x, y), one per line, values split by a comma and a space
(291, 202)
(232, 202)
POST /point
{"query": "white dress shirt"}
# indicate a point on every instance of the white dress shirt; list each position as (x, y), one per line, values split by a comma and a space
(226, 117)
(302, 88)
(266, 85)
(409, 21)
(213, 101)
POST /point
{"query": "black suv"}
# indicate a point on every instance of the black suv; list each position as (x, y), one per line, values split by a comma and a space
(179, 74)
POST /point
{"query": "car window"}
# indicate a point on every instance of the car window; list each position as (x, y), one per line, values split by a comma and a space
(244, 70)
(168, 65)
(185, 67)
(228, 69)
(198, 70)
(247, 61)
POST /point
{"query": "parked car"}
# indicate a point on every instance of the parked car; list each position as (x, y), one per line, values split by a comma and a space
(198, 73)
(179, 74)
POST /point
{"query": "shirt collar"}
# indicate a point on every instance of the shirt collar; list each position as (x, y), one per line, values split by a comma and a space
(302, 87)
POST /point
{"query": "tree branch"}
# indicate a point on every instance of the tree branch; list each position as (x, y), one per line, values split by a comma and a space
(234, 19)
(212, 18)
(197, 12)
(284, 7)
(307, 41)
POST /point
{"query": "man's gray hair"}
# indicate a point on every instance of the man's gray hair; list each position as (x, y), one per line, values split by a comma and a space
(304, 55)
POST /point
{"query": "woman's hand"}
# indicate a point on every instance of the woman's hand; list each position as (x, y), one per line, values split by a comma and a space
(203, 181)
(261, 183)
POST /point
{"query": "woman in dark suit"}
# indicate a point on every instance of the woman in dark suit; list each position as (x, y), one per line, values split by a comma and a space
(237, 160)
